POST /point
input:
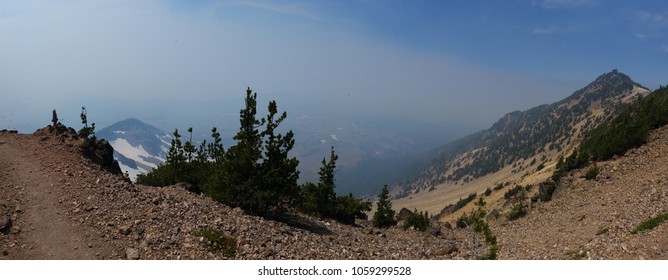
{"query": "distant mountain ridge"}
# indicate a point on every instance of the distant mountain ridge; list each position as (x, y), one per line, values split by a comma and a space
(528, 138)
(139, 147)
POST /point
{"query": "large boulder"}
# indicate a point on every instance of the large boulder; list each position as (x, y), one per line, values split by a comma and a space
(403, 214)
(101, 153)
(435, 229)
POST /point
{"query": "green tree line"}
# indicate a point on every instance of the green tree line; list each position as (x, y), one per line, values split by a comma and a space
(256, 173)
(630, 128)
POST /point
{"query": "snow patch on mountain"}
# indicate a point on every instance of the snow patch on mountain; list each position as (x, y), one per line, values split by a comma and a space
(166, 144)
(144, 162)
(138, 154)
(138, 147)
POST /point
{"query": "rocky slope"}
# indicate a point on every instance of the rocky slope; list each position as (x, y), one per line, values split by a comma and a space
(58, 204)
(592, 219)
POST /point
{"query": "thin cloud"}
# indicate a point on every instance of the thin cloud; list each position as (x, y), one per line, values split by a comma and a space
(649, 24)
(546, 30)
(555, 4)
(285, 9)
(648, 17)
(570, 28)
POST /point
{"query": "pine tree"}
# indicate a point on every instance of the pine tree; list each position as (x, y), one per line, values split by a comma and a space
(86, 132)
(215, 149)
(256, 174)
(308, 203)
(327, 169)
(201, 155)
(348, 208)
(175, 157)
(326, 197)
(279, 187)
(559, 170)
(241, 171)
(384, 216)
(189, 148)
(320, 199)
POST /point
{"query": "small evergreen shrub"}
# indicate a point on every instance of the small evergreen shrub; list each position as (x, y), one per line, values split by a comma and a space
(480, 225)
(463, 202)
(592, 172)
(602, 231)
(464, 221)
(349, 208)
(86, 132)
(577, 255)
(518, 210)
(417, 220)
(217, 241)
(546, 190)
(650, 223)
(488, 192)
(577, 159)
(512, 192)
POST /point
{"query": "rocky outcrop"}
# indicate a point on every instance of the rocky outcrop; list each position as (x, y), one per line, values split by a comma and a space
(102, 153)
(403, 214)
(98, 151)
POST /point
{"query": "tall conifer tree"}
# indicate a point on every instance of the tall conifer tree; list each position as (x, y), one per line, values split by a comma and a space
(241, 169)
(279, 171)
(384, 216)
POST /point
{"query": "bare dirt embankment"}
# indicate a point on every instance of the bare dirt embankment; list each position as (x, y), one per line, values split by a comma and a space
(60, 205)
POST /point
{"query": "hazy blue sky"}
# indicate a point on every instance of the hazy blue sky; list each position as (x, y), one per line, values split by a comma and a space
(455, 61)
